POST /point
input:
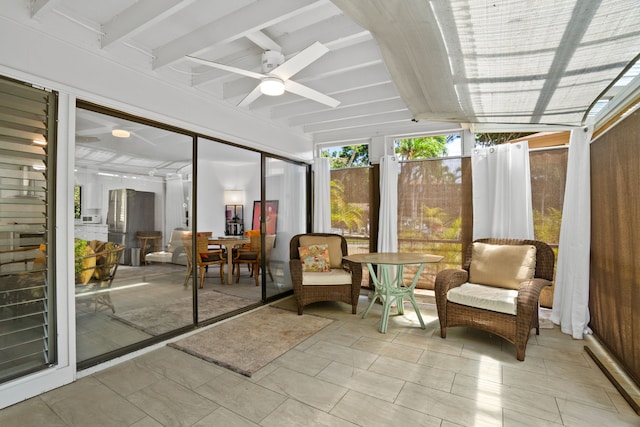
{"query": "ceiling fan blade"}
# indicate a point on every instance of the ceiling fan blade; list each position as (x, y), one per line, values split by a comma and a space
(236, 70)
(300, 60)
(253, 95)
(307, 92)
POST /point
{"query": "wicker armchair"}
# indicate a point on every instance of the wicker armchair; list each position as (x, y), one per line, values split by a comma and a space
(515, 328)
(106, 258)
(341, 284)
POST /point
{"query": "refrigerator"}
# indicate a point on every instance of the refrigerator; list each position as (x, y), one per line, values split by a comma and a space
(129, 211)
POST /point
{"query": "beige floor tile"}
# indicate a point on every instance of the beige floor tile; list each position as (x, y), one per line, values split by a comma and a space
(303, 362)
(172, 404)
(430, 343)
(371, 412)
(518, 419)
(579, 373)
(92, 403)
(342, 354)
(147, 422)
(241, 396)
(224, 417)
(488, 370)
(366, 382)
(449, 406)
(558, 387)
(389, 349)
(514, 398)
(419, 374)
(183, 368)
(294, 413)
(30, 413)
(580, 415)
(312, 391)
(128, 377)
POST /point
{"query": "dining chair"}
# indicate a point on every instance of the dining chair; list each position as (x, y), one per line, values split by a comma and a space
(204, 257)
(251, 254)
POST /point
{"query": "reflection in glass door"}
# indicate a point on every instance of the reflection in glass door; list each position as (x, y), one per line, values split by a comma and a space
(133, 211)
(286, 213)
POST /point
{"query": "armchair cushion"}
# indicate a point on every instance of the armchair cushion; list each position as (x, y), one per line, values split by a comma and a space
(485, 297)
(315, 258)
(336, 276)
(503, 266)
(333, 242)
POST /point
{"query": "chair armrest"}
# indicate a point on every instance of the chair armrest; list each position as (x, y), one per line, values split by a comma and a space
(355, 268)
(295, 267)
(450, 278)
(529, 294)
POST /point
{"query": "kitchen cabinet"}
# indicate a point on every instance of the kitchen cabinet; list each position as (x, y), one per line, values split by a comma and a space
(93, 196)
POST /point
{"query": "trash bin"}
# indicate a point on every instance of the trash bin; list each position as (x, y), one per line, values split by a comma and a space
(135, 257)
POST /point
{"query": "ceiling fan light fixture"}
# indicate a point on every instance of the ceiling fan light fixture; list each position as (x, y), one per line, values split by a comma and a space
(121, 133)
(272, 86)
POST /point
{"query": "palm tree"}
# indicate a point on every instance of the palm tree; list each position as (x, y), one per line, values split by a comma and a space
(343, 215)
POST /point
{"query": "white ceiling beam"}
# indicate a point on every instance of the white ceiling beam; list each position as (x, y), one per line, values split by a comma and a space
(138, 17)
(395, 104)
(39, 7)
(358, 96)
(239, 23)
(386, 129)
(351, 122)
(263, 41)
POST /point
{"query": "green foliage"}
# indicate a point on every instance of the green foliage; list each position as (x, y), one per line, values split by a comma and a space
(421, 148)
(80, 250)
(344, 215)
(348, 156)
(488, 139)
(547, 226)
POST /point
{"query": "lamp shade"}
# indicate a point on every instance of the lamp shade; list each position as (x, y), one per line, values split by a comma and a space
(233, 197)
(272, 86)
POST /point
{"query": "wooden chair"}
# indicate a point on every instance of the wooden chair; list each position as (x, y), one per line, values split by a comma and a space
(342, 283)
(514, 326)
(251, 254)
(204, 257)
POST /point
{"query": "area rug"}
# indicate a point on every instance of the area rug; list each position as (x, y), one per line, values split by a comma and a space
(251, 341)
(158, 319)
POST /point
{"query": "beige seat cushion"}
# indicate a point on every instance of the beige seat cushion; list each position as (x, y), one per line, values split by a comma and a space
(336, 276)
(485, 297)
(334, 243)
(504, 266)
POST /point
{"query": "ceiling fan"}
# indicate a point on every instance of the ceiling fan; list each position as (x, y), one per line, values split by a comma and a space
(276, 74)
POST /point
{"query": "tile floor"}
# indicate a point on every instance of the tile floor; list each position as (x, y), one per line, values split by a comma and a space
(349, 374)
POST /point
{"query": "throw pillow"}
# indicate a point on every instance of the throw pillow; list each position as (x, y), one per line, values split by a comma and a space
(504, 266)
(333, 242)
(315, 258)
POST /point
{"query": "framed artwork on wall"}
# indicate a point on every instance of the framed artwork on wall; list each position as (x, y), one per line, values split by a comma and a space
(271, 212)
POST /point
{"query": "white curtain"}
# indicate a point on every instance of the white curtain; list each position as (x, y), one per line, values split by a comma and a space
(502, 192)
(174, 205)
(321, 195)
(388, 225)
(571, 294)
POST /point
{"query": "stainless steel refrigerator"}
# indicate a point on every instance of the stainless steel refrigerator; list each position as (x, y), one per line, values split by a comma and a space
(129, 211)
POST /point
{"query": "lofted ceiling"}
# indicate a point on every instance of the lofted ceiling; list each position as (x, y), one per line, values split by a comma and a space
(395, 67)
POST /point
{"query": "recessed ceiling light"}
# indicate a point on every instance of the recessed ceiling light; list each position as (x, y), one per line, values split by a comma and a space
(120, 133)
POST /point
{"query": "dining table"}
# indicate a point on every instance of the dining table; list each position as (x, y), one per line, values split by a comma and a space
(229, 242)
(389, 285)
